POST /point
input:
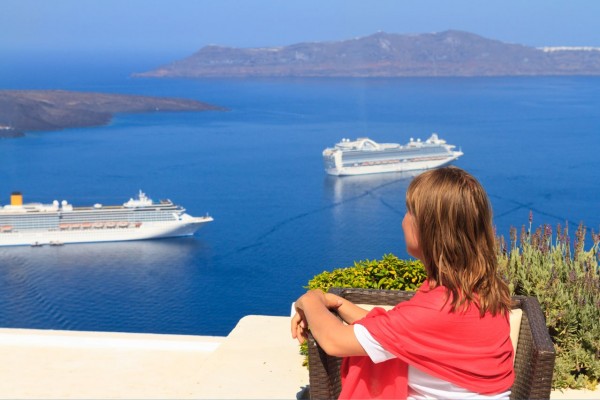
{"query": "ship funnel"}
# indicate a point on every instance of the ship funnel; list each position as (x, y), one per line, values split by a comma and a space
(16, 199)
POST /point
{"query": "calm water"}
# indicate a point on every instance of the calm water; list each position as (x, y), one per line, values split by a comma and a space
(257, 170)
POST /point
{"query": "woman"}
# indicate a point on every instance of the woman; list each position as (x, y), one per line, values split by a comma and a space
(451, 340)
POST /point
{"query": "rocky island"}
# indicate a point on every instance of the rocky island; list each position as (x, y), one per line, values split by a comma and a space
(45, 110)
(449, 53)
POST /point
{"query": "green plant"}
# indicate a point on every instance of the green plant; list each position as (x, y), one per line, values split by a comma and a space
(387, 273)
(566, 282)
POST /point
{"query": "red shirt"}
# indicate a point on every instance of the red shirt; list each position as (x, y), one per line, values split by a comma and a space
(460, 347)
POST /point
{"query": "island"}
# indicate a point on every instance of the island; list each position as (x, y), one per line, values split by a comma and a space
(444, 54)
(47, 110)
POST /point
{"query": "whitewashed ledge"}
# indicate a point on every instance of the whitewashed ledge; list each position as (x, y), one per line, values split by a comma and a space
(570, 394)
(257, 360)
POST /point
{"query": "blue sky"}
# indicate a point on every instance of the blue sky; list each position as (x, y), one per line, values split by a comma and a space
(184, 26)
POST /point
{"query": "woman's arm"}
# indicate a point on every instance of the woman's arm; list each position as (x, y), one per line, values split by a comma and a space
(349, 311)
(336, 338)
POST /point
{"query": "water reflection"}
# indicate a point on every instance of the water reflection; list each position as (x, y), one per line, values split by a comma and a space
(126, 254)
(346, 188)
(366, 214)
(101, 286)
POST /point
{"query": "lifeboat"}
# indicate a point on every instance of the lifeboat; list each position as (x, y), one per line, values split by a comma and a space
(123, 224)
(86, 225)
(110, 224)
(6, 228)
(98, 225)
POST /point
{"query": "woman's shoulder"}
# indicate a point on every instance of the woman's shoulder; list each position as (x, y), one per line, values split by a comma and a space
(429, 292)
(427, 297)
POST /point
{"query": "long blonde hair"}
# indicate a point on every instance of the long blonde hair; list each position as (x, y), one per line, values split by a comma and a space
(453, 219)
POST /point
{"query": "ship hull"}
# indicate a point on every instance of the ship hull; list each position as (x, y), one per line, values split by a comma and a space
(148, 230)
(412, 165)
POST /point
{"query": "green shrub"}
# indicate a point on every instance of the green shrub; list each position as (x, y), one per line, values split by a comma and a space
(387, 273)
(567, 284)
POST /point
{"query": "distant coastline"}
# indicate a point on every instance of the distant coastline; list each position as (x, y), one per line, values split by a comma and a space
(47, 110)
(445, 54)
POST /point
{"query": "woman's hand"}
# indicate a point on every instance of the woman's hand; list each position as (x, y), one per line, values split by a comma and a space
(313, 310)
(299, 322)
(299, 326)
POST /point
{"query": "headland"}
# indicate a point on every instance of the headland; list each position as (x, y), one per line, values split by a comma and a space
(48, 110)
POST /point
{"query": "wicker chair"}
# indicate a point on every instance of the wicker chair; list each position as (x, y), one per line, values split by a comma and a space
(534, 359)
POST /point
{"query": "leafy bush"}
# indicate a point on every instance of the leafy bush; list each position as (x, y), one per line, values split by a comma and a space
(567, 284)
(387, 273)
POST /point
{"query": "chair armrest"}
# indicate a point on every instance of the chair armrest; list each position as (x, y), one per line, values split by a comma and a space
(534, 359)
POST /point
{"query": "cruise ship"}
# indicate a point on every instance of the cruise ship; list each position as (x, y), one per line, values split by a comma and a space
(365, 156)
(38, 224)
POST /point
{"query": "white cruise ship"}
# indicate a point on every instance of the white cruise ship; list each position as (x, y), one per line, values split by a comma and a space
(365, 156)
(57, 223)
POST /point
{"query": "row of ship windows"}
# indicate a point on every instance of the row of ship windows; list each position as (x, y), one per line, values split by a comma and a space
(400, 156)
(37, 222)
(90, 216)
(130, 218)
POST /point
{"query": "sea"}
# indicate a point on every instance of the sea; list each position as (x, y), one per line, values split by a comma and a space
(533, 142)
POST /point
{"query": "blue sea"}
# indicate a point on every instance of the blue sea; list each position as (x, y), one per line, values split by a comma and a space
(257, 169)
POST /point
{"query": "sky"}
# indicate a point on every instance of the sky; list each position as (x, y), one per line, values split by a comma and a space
(184, 26)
